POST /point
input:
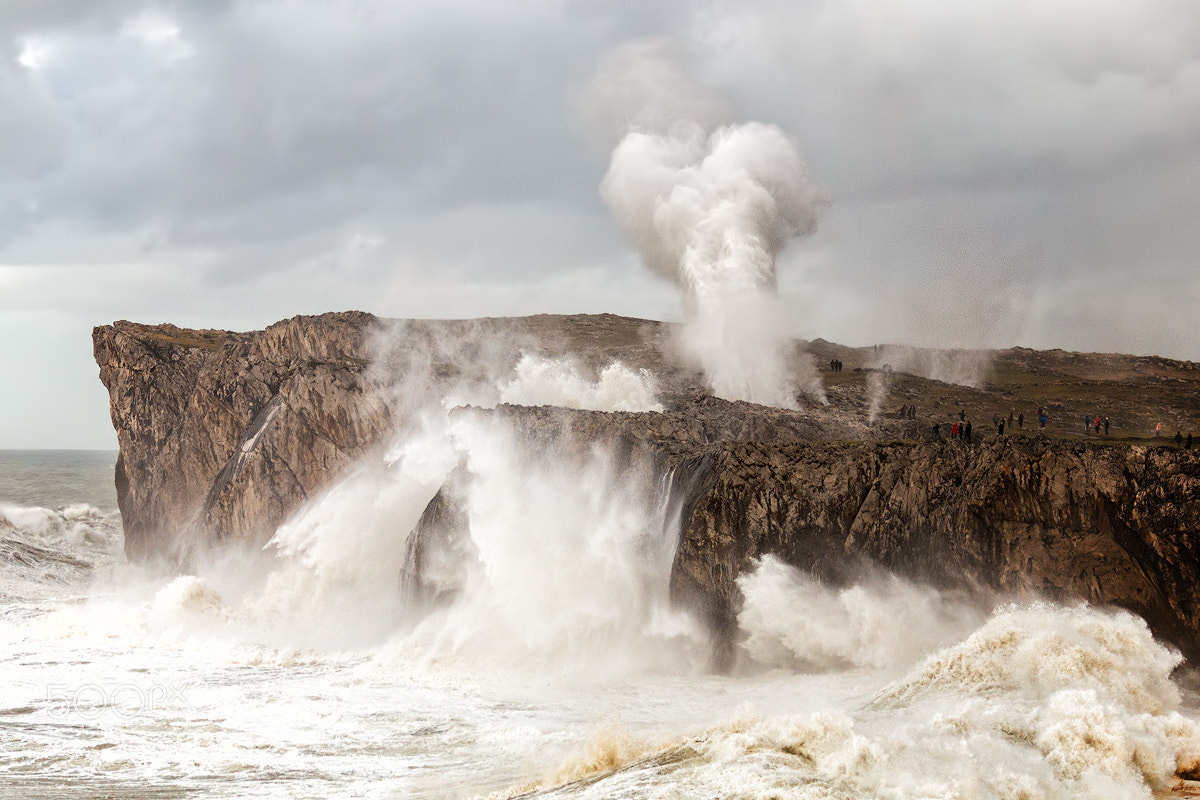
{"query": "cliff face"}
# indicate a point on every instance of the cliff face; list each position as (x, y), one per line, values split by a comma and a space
(1110, 525)
(1013, 515)
(223, 435)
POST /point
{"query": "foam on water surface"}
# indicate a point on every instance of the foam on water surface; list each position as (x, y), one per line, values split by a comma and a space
(551, 660)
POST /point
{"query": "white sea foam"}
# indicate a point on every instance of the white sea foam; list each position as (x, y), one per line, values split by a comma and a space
(42, 546)
(540, 381)
(790, 619)
(1040, 702)
(568, 558)
(553, 659)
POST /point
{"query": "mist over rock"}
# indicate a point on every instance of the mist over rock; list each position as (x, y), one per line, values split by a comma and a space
(224, 436)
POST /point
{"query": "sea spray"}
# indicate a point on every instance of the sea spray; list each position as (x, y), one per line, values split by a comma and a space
(961, 367)
(40, 547)
(341, 556)
(1040, 702)
(540, 381)
(710, 208)
(877, 391)
(790, 619)
(566, 541)
(570, 549)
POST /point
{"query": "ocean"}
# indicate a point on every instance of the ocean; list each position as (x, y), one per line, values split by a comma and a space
(558, 668)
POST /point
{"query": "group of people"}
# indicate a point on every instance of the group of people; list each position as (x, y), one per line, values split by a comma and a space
(961, 430)
(998, 420)
(835, 365)
(908, 412)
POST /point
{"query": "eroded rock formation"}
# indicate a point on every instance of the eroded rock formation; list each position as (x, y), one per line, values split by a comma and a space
(223, 435)
(1111, 525)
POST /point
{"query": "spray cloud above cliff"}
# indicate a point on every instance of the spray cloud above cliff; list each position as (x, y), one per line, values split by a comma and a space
(709, 207)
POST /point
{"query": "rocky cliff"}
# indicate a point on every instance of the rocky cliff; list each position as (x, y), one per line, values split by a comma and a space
(1111, 525)
(224, 435)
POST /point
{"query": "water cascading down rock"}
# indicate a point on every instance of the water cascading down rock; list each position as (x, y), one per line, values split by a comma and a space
(224, 435)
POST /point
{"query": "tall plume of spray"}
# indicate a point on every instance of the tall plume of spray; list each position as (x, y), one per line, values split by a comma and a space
(709, 207)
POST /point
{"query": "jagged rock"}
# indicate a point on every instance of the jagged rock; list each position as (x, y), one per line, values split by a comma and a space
(223, 435)
(1112, 525)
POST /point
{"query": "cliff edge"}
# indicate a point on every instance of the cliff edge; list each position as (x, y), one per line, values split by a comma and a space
(224, 435)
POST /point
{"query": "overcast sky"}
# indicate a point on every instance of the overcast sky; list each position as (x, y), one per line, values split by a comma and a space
(1002, 172)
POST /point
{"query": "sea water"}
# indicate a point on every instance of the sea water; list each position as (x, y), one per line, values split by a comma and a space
(553, 666)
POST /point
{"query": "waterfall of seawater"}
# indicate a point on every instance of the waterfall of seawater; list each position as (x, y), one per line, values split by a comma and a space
(560, 560)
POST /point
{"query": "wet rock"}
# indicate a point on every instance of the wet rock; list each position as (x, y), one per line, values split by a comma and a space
(224, 435)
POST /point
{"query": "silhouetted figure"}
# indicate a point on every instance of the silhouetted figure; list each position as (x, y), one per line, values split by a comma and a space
(1010, 418)
(1021, 420)
(962, 415)
(1178, 437)
(967, 434)
(912, 412)
(1087, 423)
(1188, 442)
(1097, 424)
(937, 436)
(1157, 430)
(1001, 426)
(1106, 426)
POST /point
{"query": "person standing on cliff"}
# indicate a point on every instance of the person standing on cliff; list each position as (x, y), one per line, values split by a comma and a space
(1021, 420)
(967, 434)
(1000, 427)
(1188, 443)
(937, 435)
(1157, 430)
(1178, 438)
(954, 431)
(1097, 424)
(1106, 426)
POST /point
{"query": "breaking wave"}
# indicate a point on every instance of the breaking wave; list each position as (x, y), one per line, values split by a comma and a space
(43, 547)
(1041, 701)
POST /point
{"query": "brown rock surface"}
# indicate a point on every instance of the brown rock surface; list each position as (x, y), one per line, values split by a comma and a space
(1111, 525)
(223, 435)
